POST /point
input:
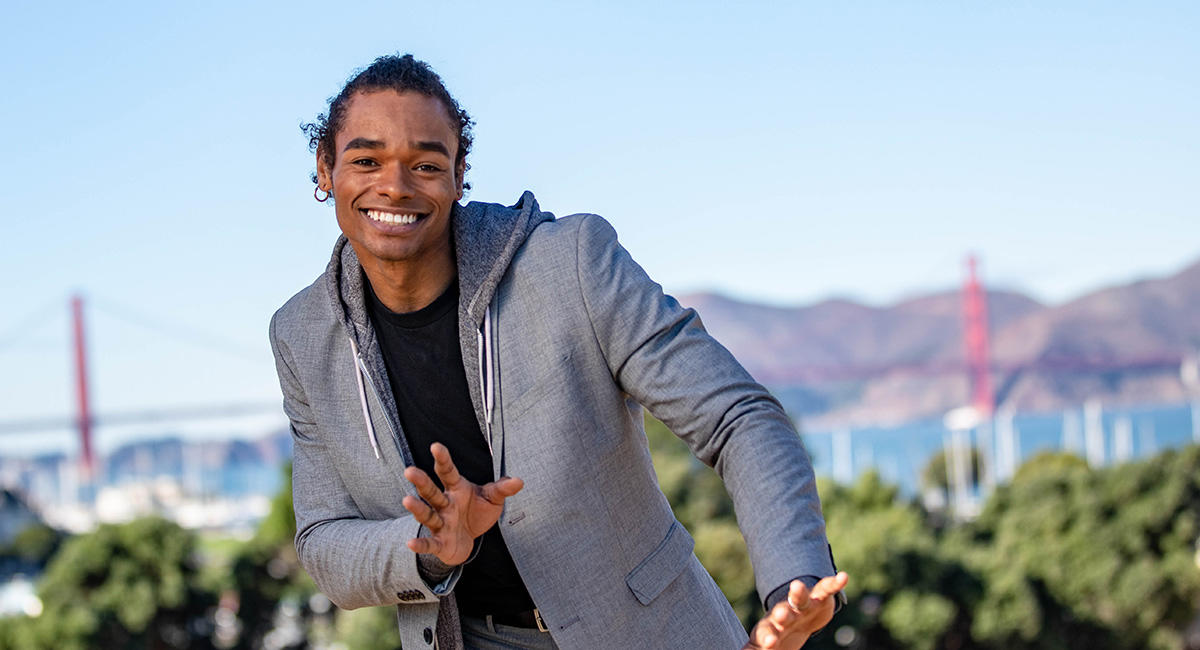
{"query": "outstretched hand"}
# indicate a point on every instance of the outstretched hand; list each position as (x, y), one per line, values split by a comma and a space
(795, 618)
(457, 514)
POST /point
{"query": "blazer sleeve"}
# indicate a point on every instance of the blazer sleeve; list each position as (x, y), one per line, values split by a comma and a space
(660, 354)
(356, 562)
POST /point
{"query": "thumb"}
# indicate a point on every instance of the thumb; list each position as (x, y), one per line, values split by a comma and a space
(497, 491)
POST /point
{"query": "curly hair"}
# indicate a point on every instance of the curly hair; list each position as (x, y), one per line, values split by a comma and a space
(391, 72)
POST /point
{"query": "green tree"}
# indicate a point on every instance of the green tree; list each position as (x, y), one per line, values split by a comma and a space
(904, 592)
(132, 585)
(935, 477)
(1075, 557)
(1063, 556)
(34, 546)
(265, 571)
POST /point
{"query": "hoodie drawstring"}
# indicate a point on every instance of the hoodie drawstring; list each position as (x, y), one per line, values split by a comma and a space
(362, 397)
(485, 382)
(485, 372)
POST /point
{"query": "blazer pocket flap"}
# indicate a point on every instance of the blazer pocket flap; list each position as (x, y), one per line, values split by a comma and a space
(662, 566)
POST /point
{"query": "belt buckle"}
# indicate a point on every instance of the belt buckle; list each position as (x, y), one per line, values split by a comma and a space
(537, 617)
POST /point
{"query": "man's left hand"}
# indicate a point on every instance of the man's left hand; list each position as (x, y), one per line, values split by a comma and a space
(792, 620)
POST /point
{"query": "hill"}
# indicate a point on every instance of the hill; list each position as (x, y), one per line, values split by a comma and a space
(847, 362)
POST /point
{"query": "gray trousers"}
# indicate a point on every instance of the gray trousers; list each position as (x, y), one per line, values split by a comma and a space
(482, 634)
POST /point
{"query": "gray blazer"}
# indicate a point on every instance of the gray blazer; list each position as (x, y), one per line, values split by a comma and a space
(564, 339)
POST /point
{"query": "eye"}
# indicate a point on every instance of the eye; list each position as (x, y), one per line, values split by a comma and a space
(428, 167)
(364, 162)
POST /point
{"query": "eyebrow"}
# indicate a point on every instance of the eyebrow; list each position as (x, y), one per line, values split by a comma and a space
(432, 145)
(363, 143)
(423, 145)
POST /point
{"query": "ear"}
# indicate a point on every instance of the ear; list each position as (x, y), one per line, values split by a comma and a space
(324, 173)
(460, 173)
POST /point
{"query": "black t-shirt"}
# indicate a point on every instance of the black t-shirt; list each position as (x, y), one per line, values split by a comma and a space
(425, 368)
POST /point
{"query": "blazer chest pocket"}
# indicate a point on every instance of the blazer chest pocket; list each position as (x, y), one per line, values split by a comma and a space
(662, 565)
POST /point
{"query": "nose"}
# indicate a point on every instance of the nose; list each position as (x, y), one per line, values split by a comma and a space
(395, 182)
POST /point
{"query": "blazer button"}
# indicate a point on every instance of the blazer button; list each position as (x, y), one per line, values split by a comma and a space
(429, 636)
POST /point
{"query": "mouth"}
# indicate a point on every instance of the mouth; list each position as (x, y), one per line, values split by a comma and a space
(392, 217)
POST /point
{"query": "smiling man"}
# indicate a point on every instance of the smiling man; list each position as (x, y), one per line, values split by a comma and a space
(465, 385)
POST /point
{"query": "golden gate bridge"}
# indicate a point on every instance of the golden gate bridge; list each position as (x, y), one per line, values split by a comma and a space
(977, 367)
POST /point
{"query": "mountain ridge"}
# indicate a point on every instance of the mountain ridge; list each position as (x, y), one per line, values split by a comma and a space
(858, 363)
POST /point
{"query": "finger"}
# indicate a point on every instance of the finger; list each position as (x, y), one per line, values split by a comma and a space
(496, 492)
(425, 545)
(783, 615)
(798, 598)
(444, 466)
(424, 515)
(829, 586)
(426, 487)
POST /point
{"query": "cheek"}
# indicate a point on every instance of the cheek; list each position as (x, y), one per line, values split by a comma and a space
(343, 203)
(346, 187)
(451, 190)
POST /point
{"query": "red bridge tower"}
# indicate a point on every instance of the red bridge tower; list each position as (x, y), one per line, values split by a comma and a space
(978, 345)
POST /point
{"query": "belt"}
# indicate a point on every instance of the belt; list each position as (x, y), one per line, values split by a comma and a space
(528, 619)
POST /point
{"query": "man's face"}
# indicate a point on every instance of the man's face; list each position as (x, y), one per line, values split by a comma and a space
(394, 180)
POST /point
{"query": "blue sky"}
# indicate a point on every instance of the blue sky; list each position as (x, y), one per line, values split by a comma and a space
(785, 154)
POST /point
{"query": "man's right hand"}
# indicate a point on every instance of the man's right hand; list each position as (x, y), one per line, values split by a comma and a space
(458, 514)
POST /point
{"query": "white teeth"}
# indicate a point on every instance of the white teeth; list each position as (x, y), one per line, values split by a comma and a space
(391, 217)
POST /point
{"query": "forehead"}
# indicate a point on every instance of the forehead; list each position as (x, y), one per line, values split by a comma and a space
(395, 118)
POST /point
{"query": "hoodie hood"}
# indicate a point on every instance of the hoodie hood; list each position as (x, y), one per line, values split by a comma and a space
(486, 237)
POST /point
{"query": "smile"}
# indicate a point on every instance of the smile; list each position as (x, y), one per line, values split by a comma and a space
(392, 218)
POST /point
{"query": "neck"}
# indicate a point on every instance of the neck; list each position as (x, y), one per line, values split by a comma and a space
(410, 285)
